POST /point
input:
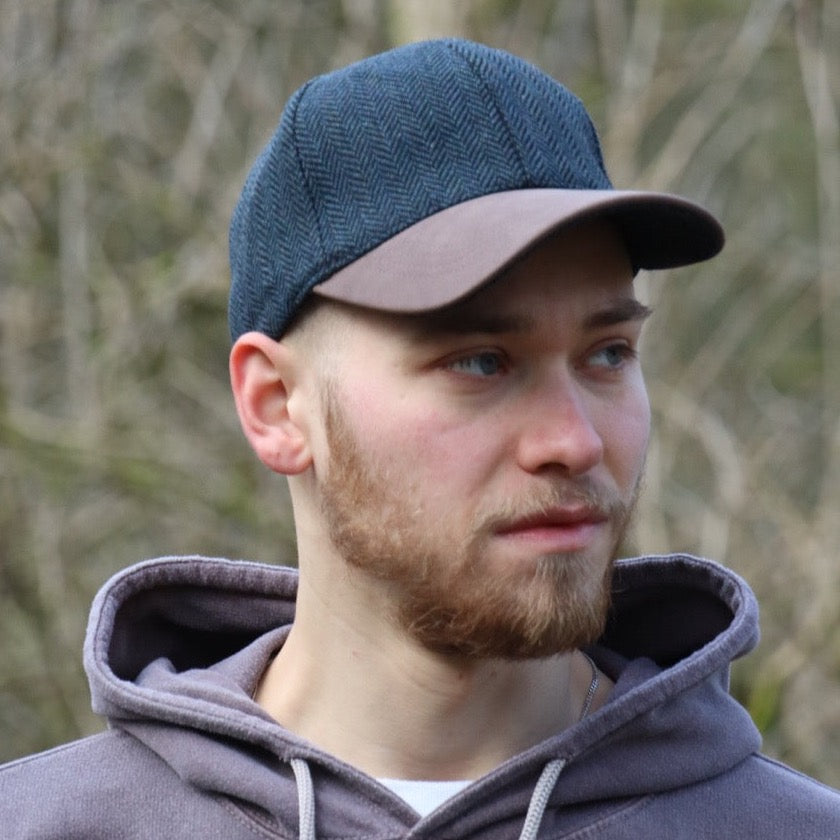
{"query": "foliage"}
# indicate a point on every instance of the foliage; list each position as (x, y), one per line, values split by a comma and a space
(128, 128)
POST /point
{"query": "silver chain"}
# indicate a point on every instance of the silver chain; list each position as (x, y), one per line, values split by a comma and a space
(593, 687)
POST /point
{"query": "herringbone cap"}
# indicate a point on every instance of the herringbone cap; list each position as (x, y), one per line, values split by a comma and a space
(405, 181)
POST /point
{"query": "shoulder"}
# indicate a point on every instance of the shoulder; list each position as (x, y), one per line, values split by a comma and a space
(764, 798)
(68, 773)
(781, 788)
(73, 790)
(99, 756)
(63, 759)
(757, 798)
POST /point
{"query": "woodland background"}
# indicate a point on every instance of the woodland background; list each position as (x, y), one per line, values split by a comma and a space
(126, 130)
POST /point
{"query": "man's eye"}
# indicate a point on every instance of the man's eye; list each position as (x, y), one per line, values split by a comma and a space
(612, 356)
(479, 364)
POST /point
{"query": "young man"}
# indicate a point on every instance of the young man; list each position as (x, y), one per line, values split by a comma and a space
(435, 339)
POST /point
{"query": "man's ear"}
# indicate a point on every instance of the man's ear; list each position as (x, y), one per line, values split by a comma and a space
(264, 378)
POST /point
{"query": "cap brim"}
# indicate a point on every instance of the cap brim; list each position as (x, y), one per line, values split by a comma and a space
(449, 254)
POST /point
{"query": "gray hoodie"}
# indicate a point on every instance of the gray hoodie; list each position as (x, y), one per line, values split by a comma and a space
(175, 648)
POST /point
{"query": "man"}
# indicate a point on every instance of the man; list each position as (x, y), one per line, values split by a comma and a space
(436, 340)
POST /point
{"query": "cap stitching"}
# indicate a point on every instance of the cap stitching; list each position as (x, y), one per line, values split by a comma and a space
(298, 157)
(455, 47)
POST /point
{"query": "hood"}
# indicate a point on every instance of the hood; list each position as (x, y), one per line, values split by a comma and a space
(176, 646)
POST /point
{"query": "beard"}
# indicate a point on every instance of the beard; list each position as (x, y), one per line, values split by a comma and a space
(441, 592)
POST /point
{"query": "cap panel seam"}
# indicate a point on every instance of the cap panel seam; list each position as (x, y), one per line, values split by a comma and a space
(494, 102)
(310, 193)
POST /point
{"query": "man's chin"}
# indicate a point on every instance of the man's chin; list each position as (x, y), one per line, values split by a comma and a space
(541, 618)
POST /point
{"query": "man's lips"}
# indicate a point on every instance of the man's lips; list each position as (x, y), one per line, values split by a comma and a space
(560, 529)
(562, 517)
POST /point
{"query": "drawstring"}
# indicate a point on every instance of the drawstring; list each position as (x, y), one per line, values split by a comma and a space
(539, 798)
(530, 828)
(551, 772)
(306, 799)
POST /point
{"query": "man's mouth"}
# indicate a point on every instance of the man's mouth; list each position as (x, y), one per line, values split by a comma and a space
(560, 529)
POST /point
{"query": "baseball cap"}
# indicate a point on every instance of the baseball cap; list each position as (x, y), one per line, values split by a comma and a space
(405, 181)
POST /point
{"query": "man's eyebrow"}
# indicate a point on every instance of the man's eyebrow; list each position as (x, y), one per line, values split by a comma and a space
(619, 312)
(463, 321)
(466, 321)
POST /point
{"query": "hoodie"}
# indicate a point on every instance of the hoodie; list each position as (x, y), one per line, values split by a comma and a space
(176, 646)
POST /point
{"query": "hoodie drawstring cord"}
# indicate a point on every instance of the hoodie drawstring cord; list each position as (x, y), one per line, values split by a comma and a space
(306, 799)
(539, 798)
(530, 828)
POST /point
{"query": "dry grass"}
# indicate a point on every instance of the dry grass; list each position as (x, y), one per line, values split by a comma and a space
(127, 128)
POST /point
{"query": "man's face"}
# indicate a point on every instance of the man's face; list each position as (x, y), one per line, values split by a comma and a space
(485, 459)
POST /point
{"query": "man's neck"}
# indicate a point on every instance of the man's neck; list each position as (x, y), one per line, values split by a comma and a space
(379, 701)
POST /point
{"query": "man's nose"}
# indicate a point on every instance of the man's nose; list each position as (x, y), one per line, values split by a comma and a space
(558, 430)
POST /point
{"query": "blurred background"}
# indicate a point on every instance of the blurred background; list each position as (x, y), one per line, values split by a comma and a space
(126, 130)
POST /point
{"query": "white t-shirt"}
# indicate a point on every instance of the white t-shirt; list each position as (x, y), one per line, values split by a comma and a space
(424, 796)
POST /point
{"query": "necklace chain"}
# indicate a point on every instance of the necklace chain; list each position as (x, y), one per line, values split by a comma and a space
(593, 687)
